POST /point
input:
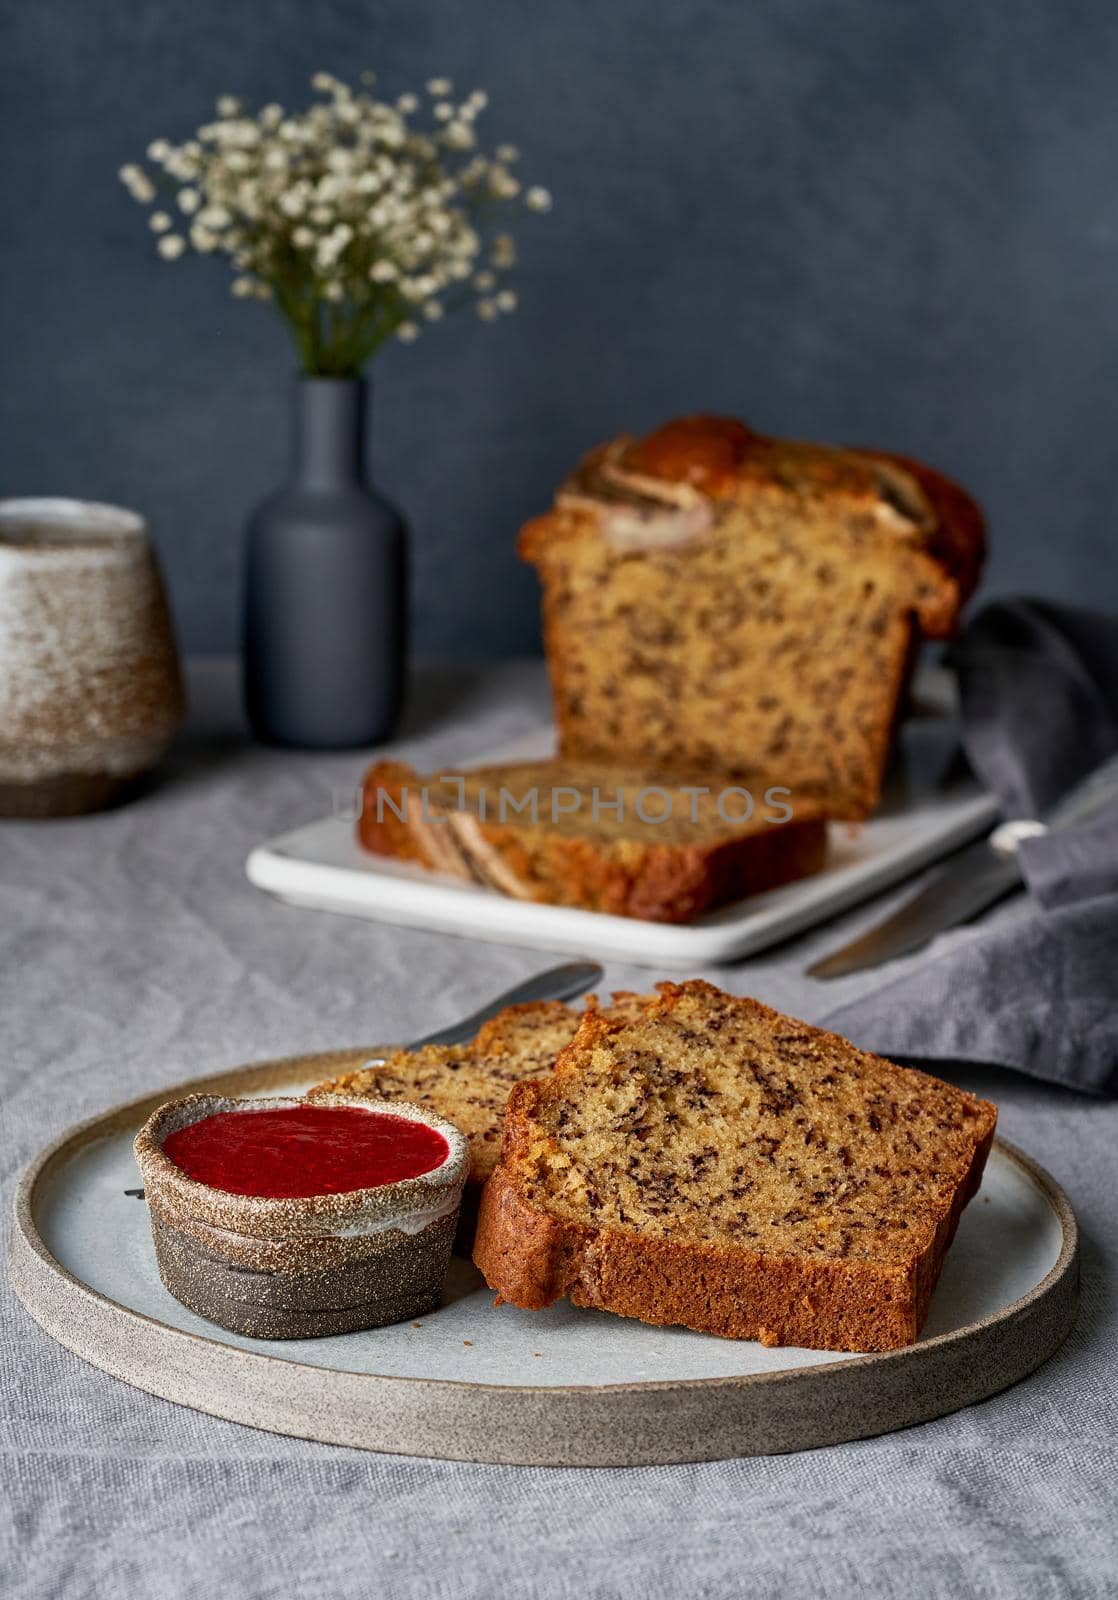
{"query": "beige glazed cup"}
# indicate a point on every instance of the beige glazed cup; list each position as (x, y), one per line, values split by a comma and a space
(90, 684)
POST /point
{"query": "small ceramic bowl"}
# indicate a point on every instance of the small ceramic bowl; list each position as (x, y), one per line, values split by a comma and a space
(307, 1267)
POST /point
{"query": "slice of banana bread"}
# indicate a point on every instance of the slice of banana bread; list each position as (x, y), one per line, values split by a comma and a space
(704, 1160)
(717, 600)
(591, 834)
(469, 1083)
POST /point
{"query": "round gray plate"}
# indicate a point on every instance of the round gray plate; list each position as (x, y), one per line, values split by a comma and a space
(562, 1387)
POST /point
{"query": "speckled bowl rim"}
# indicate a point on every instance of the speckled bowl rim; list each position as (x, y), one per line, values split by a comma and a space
(267, 1217)
(89, 524)
(656, 1422)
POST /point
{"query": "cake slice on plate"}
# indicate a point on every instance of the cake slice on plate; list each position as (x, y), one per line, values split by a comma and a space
(627, 840)
(700, 1159)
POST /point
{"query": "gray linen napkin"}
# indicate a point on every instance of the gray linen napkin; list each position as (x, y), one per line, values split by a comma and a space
(1037, 989)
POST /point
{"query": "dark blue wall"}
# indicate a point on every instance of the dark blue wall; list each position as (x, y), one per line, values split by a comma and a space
(889, 222)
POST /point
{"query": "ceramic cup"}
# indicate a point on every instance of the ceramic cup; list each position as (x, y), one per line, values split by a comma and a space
(90, 685)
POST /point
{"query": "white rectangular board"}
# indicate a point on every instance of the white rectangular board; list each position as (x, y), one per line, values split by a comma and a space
(923, 817)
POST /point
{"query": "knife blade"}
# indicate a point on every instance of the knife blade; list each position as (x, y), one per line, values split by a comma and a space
(557, 983)
(973, 880)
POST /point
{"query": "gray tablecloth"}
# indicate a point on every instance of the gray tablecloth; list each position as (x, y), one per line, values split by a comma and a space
(134, 953)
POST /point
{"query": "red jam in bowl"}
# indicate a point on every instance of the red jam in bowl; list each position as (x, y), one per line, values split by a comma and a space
(301, 1151)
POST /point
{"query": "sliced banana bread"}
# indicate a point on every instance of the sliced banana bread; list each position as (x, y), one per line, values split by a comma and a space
(704, 1160)
(714, 599)
(469, 1083)
(591, 834)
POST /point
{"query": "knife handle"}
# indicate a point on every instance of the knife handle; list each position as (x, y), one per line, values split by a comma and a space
(1008, 835)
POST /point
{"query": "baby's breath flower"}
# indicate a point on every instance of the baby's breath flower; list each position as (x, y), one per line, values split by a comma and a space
(459, 136)
(138, 184)
(182, 165)
(345, 204)
(504, 185)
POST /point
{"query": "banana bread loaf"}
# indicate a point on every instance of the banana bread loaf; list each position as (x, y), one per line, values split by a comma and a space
(721, 601)
(594, 835)
(703, 1160)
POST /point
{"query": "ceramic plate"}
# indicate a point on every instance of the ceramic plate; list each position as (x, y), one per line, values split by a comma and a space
(563, 1387)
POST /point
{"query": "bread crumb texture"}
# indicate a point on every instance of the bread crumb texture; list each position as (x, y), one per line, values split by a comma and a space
(717, 600)
(700, 1158)
(469, 1083)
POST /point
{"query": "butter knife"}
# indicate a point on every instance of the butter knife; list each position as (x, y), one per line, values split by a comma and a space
(557, 983)
(976, 878)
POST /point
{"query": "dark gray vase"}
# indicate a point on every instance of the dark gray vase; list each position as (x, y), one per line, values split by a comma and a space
(325, 587)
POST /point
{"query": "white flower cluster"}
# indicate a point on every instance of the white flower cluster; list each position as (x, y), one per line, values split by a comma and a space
(357, 223)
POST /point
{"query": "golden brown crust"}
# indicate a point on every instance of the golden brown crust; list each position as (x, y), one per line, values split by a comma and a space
(379, 827)
(958, 541)
(658, 883)
(724, 458)
(715, 599)
(532, 1260)
(532, 1256)
(704, 450)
